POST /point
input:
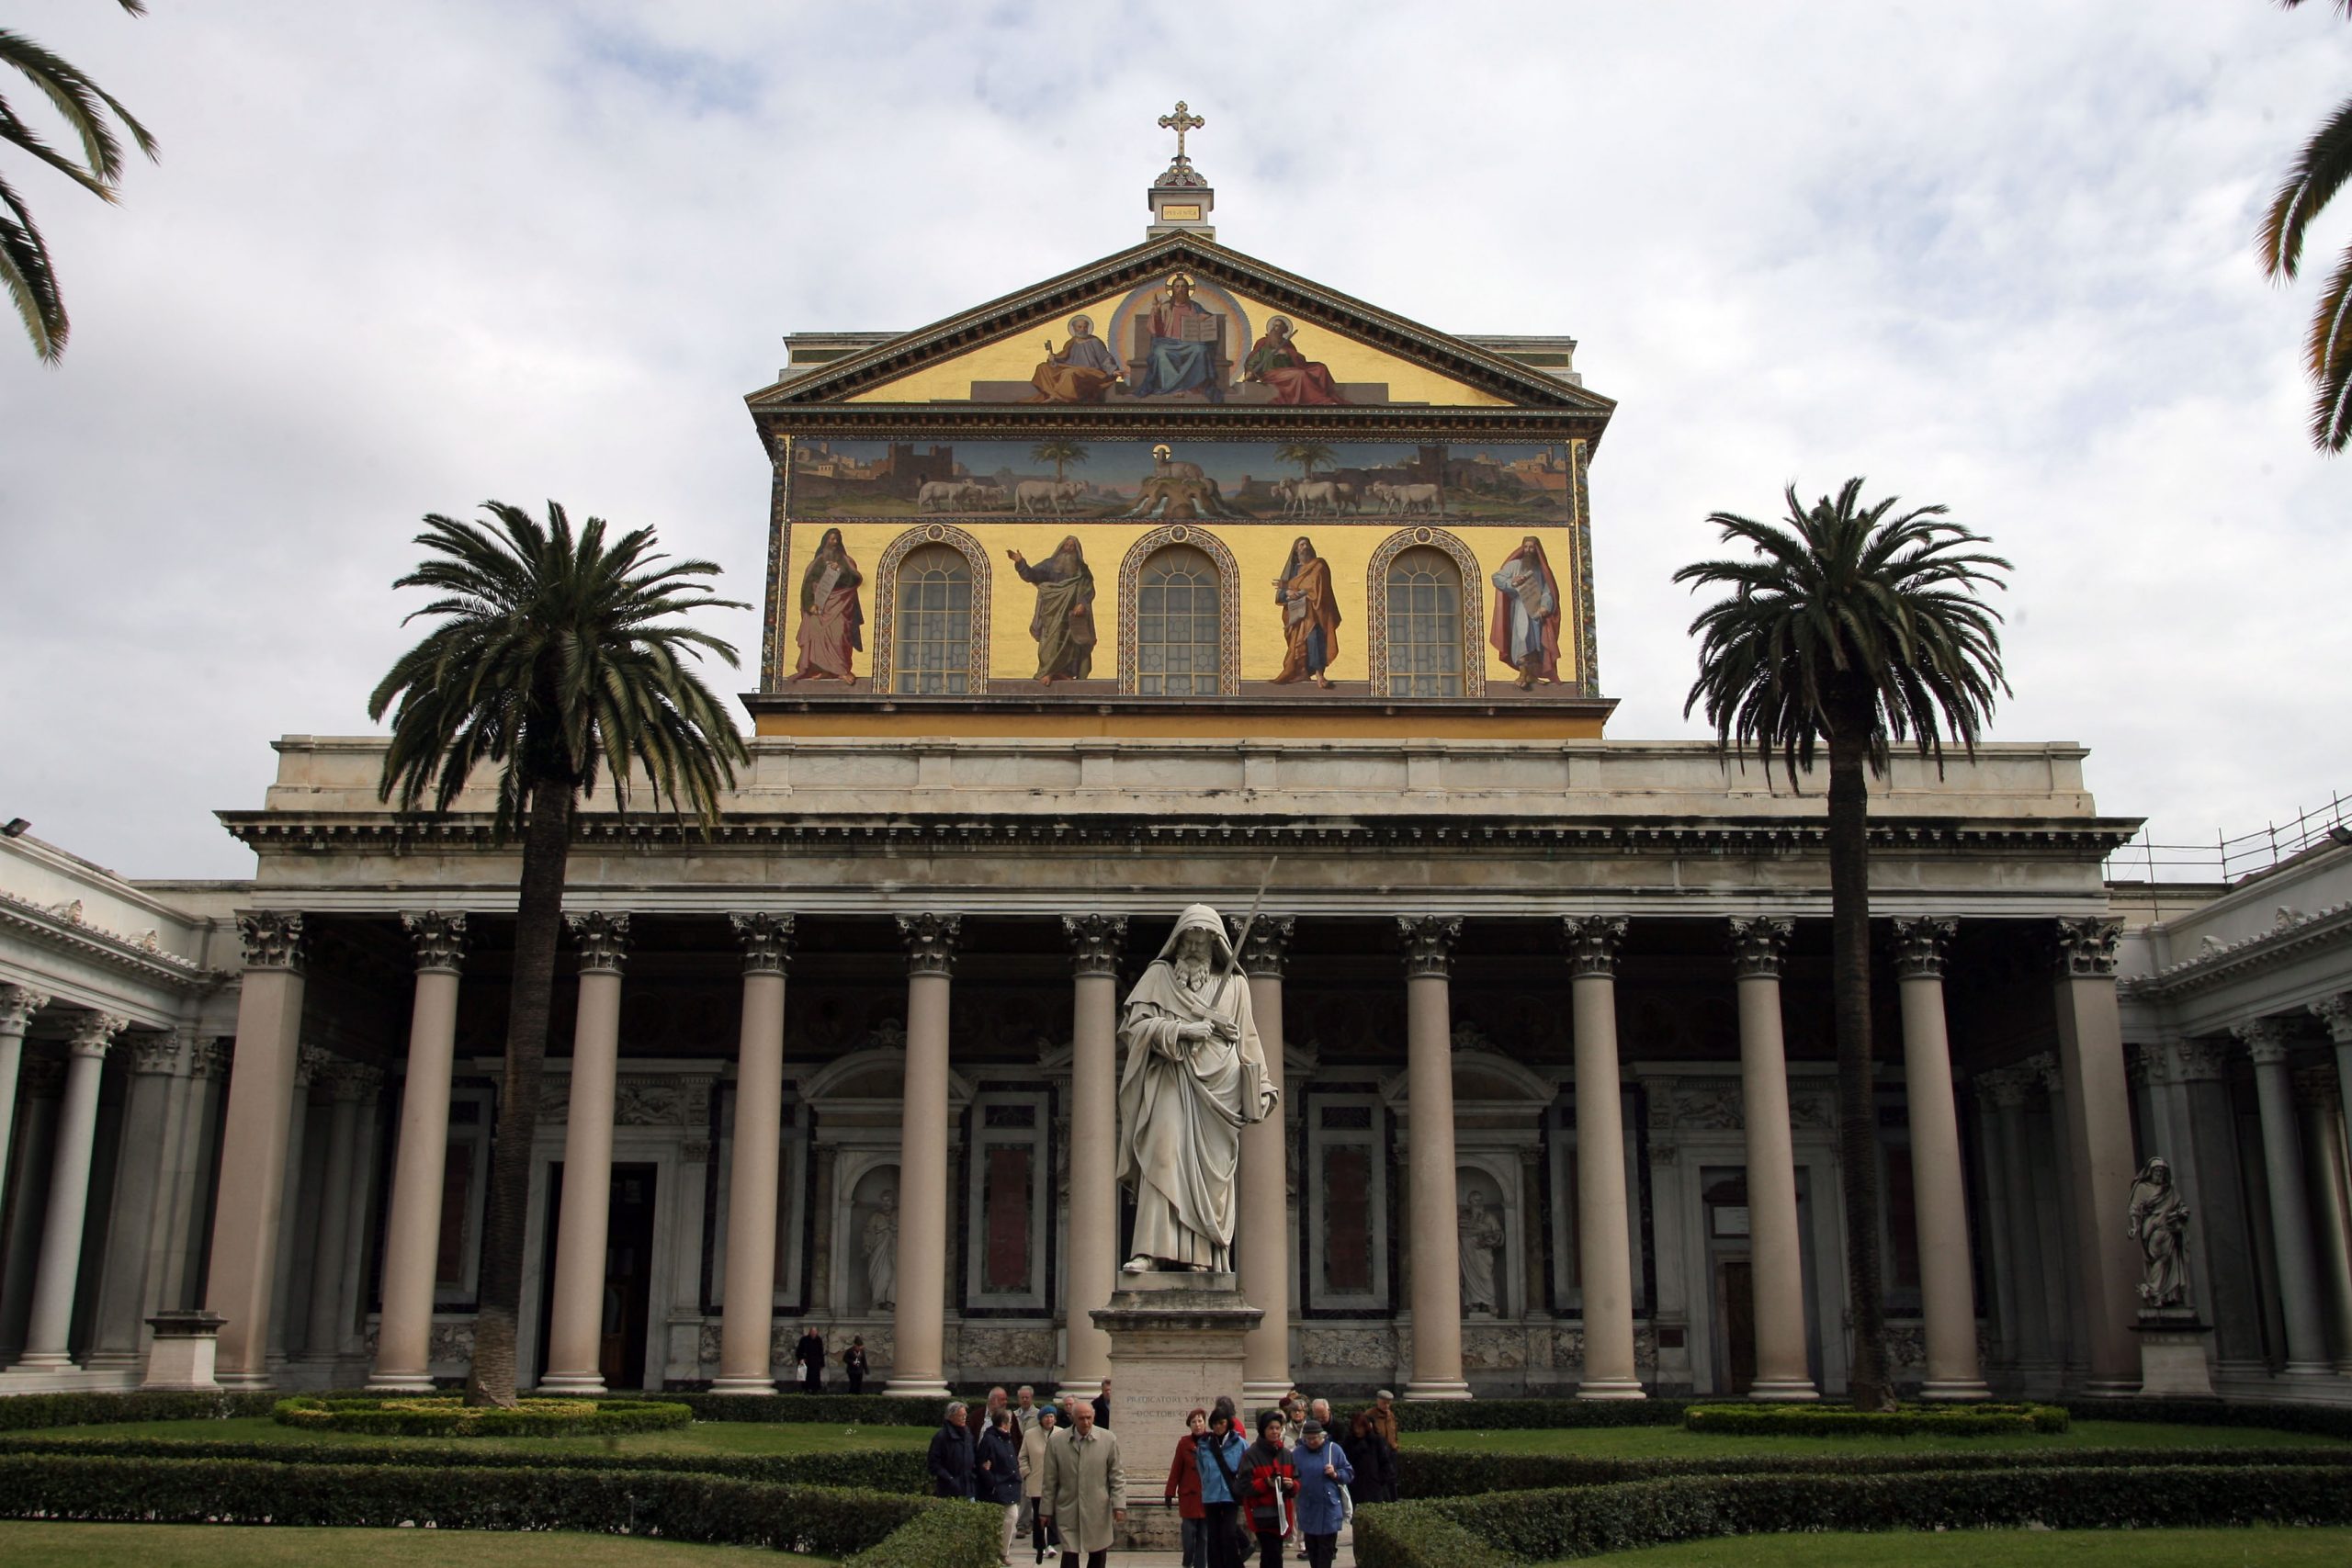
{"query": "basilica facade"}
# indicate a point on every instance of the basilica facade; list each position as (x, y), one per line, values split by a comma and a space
(1174, 578)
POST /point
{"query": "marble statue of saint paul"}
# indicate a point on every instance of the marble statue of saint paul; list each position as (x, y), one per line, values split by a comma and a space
(1195, 1075)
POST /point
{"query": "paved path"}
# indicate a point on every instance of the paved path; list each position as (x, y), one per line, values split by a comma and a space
(1293, 1553)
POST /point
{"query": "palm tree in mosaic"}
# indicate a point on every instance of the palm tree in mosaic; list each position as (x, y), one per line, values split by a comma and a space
(1307, 454)
(1057, 452)
(87, 108)
(1853, 626)
(556, 659)
(2319, 172)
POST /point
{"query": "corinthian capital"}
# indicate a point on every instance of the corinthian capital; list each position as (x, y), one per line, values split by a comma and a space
(1593, 942)
(18, 1005)
(767, 942)
(272, 938)
(440, 938)
(930, 942)
(2335, 1011)
(1267, 947)
(602, 937)
(95, 1031)
(1921, 944)
(1758, 942)
(2086, 945)
(1095, 941)
(156, 1055)
(2264, 1039)
(1429, 943)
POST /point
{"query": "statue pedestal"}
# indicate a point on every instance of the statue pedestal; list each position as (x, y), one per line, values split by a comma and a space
(2172, 1354)
(1175, 1346)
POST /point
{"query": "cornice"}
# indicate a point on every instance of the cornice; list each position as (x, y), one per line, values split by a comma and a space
(1010, 312)
(64, 929)
(2076, 840)
(2295, 936)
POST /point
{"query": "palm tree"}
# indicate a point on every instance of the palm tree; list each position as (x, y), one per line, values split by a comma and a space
(1058, 451)
(24, 256)
(1306, 454)
(1854, 627)
(2320, 171)
(555, 660)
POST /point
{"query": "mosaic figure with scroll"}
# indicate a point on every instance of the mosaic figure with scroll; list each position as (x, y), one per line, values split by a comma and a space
(1084, 371)
(1195, 1075)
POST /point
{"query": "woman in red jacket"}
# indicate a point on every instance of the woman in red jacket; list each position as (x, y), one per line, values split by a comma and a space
(1184, 1490)
(1269, 1483)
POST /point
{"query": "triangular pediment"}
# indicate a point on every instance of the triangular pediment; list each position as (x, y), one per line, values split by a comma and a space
(1340, 351)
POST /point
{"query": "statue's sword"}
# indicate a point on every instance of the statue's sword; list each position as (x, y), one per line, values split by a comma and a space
(1251, 919)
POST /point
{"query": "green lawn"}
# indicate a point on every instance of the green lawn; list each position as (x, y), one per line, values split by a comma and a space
(235, 1546)
(703, 1437)
(1650, 1442)
(2254, 1548)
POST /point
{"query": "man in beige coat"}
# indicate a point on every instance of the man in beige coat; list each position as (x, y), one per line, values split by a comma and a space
(1086, 1489)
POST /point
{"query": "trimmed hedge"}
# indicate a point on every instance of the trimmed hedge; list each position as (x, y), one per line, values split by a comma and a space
(1586, 1521)
(1760, 1420)
(1519, 1415)
(1426, 1473)
(823, 1521)
(2325, 1420)
(950, 1535)
(27, 1412)
(832, 1409)
(896, 1470)
(410, 1417)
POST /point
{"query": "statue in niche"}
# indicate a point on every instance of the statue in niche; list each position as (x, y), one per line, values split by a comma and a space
(1195, 1075)
(881, 1244)
(1482, 1234)
(2159, 1223)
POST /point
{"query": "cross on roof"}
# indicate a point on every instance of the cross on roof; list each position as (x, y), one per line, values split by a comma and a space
(1180, 122)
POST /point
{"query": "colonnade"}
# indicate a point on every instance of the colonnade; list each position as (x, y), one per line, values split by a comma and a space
(246, 1277)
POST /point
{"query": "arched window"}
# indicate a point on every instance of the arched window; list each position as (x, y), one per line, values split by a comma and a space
(934, 623)
(1424, 625)
(1177, 625)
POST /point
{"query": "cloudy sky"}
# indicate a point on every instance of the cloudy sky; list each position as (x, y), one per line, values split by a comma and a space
(399, 258)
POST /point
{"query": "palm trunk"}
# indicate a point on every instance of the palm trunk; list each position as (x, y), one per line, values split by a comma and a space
(538, 922)
(1850, 945)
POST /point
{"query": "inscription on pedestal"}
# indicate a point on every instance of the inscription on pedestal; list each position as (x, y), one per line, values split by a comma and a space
(1175, 1346)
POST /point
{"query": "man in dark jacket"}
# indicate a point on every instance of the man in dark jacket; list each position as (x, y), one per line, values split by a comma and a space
(810, 1354)
(951, 1456)
(1103, 1405)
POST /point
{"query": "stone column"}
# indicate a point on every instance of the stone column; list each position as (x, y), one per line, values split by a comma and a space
(309, 1061)
(1093, 1268)
(241, 1282)
(18, 1005)
(59, 1268)
(576, 1305)
(2051, 1171)
(331, 1215)
(145, 1149)
(2098, 1144)
(2291, 1224)
(1775, 1244)
(2331, 1211)
(2193, 1076)
(412, 1226)
(1604, 1257)
(1266, 1260)
(919, 1326)
(1436, 1282)
(2028, 1324)
(2335, 1011)
(332, 1313)
(1946, 1284)
(747, 1324)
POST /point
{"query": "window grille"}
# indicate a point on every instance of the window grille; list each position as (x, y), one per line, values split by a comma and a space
(935, 631)
(1424, 625)
(1176, 625)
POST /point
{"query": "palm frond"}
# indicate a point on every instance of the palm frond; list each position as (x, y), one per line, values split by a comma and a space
(2318, 173)
(2327, 355)
(1847, 615)
(554, 654)
(32, 283)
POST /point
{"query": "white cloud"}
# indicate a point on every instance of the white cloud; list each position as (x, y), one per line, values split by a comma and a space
(398, 259)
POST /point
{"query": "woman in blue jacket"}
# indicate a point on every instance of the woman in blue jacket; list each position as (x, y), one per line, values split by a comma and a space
(1323, 1469)
(1219, 1454)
